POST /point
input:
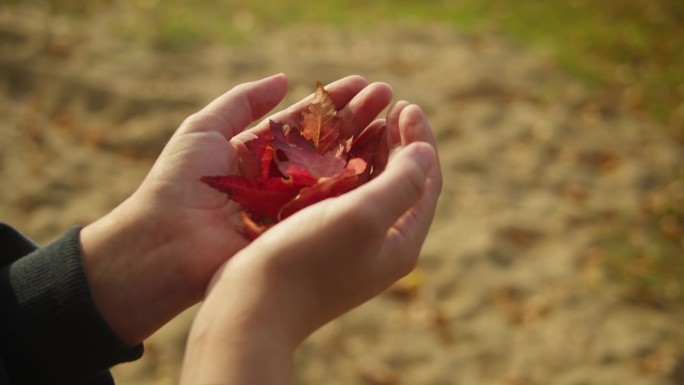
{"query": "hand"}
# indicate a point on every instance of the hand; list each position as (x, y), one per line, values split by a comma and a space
(316, 265)
(154, 255)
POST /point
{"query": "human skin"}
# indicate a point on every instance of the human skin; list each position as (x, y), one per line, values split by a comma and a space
(316, 265)
(176, 240)
(153, 255)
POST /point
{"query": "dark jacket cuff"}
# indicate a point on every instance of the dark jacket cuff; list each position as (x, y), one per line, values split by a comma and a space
(51, 318)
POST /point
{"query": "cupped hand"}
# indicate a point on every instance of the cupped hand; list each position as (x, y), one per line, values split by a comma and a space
(153, 256)
(317, 264)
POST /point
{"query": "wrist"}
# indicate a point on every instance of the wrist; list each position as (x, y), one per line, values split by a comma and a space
(225, 347)
(133, 280)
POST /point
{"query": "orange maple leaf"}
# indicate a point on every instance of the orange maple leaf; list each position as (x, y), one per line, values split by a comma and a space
(320, 124)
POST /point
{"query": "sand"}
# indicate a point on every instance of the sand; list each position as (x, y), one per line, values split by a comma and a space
(505, 292)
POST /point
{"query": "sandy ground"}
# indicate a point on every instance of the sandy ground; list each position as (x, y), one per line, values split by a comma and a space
(506, 291)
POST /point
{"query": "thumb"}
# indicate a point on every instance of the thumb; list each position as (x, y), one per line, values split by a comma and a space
(233, 111)
(387, 197)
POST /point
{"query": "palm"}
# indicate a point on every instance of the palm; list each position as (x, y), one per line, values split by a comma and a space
(202, 223)
(343, 251)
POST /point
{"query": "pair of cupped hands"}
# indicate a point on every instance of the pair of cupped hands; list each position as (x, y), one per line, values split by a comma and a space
(176, 241)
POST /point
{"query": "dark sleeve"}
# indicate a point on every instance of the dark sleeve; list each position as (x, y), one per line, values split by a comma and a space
(51, 332)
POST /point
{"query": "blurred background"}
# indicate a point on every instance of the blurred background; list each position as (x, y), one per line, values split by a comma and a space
(557, 254)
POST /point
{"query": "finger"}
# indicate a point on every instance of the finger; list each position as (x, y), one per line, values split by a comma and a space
(382, 201)
(413, 126)
(405, 238)
(393, 134)
(381, 154)
(364, 108)
(340, 91)
(233, 111)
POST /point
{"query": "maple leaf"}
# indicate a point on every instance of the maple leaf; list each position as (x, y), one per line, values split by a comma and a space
(370, 146)
(253, 229)
(296, 151)
(256, 157)
(325, 188)
(288, 168)
(320, 124)
(259, 196)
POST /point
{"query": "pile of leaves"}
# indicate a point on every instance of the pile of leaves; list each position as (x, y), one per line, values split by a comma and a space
(291, 167)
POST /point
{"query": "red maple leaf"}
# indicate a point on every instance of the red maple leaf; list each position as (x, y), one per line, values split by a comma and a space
(289, 168)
